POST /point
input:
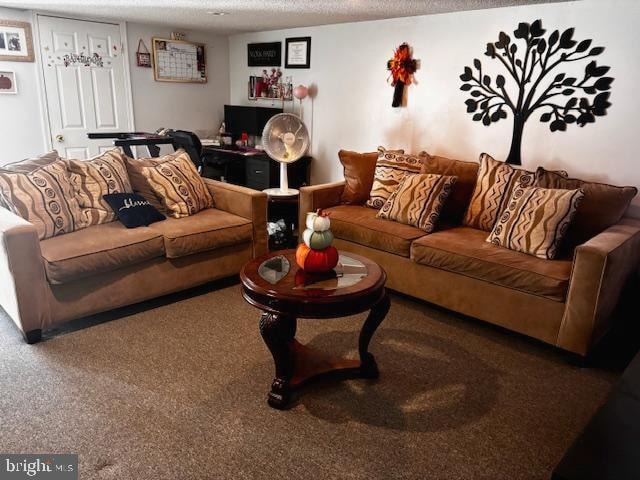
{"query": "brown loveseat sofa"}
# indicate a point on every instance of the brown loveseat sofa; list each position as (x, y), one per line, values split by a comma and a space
(47, 282)
(567, 303)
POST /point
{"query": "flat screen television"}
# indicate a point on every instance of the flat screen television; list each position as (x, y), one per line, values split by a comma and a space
(239, 119)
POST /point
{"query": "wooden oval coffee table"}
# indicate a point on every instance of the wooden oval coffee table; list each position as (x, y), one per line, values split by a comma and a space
(284, 292)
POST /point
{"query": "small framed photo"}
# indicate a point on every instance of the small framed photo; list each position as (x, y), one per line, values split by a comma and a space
(8, 82)
(298, 52)
(16, 44)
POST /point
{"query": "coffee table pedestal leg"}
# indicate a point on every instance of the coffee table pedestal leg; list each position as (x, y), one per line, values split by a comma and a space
(277, 332)
(368, 365)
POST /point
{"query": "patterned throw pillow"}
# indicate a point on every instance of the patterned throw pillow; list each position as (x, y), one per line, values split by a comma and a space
(418, 200)
(536, 220)
(44, 197)
(391, 168)
(603, 205)
(30, 164)
(359, 169)
(93, 179)
(176, 182)
(495, 184)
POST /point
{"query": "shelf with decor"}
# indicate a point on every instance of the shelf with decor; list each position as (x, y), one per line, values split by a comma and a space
(270, 87)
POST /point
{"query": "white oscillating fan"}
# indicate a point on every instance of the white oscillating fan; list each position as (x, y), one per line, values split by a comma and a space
(285, 139)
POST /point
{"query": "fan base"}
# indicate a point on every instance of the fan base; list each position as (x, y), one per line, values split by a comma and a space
(276, 192)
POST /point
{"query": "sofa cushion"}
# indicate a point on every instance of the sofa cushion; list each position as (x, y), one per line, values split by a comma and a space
(391, 168)
(464, 250)
(206, 230)
(536, 220)
(602, 206)
(467, 173)
(359, 224)
(44, 197)
(494, 185)
(418, 200)
(359, 169)
(96, 177)
(98, 249)
(174, 181)
(30, 164)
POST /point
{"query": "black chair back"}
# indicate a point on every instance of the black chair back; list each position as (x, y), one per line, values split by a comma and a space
(191, 144)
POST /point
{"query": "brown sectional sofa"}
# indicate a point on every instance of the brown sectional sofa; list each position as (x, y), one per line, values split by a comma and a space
(567, 303)
(47, 282)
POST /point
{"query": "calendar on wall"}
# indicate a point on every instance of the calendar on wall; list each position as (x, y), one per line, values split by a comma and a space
(179, 61)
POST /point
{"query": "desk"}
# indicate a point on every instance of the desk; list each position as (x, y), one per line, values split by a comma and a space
(254, 169)
(128, 139)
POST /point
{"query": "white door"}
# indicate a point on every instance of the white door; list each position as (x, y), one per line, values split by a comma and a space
(84, 79)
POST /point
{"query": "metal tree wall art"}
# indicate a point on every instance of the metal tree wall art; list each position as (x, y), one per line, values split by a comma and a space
(562, 99)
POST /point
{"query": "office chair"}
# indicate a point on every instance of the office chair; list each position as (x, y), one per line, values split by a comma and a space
(207, 165)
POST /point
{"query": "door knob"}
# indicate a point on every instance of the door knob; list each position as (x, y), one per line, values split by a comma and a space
(60, 138)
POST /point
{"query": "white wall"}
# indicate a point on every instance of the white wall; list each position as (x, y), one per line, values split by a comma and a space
(186, 106)
(352, 109)
(21, 129)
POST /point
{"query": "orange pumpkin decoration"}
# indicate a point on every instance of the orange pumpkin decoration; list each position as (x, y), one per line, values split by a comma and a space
(316, 260)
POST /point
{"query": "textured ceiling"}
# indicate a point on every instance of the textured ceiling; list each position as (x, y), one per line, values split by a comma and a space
(253, 15)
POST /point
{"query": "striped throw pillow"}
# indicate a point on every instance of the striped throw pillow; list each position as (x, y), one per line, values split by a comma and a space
(536, 220)
(176, 182)
(94, 178)
(44, 197)
(391, 168)
(418, 200)
(30, 164)
(494, 186)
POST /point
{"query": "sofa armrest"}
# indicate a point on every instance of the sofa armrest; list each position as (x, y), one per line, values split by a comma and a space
(318, 196)
(23, 284)
(601, 267)
(246, 203)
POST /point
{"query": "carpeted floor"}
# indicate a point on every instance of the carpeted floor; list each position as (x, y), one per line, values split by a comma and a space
(178, 391)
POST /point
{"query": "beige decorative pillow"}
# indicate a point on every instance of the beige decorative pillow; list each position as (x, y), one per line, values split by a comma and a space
(495, 183)
(418, 200)
(30, 164)
(391, 168)
(96, 177)
(176, 182)
(536, 220)
(43, 197)
(359, 169)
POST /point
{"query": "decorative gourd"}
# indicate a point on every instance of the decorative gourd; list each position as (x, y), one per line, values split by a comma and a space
(317, 240)
(316, 260)
(318, 221)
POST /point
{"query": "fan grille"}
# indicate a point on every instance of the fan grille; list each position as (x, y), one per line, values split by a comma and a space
(277, 141)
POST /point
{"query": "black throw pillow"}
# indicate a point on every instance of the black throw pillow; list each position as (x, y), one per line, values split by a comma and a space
(133, 210)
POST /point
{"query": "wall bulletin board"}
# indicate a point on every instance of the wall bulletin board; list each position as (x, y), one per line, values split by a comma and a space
(179, 61)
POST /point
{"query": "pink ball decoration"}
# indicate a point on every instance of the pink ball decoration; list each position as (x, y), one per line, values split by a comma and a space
(300, 92)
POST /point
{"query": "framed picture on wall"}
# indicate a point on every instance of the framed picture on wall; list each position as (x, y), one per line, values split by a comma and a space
(16, 44)
(298, 52)
(264, 54)
(8, 82)
(178, 61)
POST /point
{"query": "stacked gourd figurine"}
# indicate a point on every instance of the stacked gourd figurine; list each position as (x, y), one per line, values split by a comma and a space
(316, 253)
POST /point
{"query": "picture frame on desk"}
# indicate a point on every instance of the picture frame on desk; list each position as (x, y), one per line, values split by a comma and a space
(298, 52)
